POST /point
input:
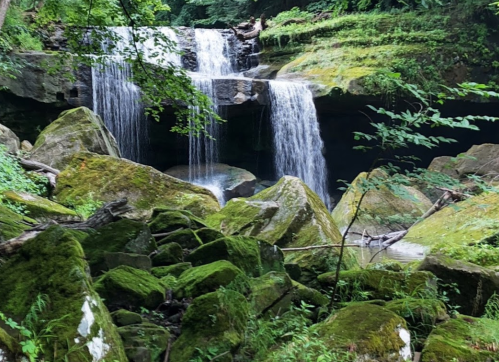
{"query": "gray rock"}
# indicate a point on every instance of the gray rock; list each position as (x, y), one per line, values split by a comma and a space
(74, 131)
(137, 261)
(9, 139)
(263, 72)
(236, 182)
(26, 146)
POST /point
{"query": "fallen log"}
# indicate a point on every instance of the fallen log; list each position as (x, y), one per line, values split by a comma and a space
(321, 247)
(105, 215)
(34, 165)
(254, 33)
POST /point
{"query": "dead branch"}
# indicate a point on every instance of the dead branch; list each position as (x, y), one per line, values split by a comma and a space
(105, 215)
(34, 165)
(321, 247)
(162, 235)
(254, 33)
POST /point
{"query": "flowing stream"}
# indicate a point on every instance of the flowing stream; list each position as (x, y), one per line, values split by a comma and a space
(297, 141)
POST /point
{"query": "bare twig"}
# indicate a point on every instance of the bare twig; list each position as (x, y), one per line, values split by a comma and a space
(162, 235)
(322, 247)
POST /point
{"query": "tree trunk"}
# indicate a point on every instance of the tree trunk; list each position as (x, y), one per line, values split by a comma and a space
(4, 5)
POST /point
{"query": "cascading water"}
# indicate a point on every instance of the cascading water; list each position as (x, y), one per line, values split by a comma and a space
(297, 141)
(117, 100)
(213, 61)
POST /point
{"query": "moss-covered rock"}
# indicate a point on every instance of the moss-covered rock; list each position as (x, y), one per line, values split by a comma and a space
(293, 270)
(287, 214)
(187, 239)
(11, 224)
(123, 317)
(308, 295)
(216, 321)
(467, 285)
(381, 284)
(372, 331)
(144, 342)
(125, 236)
(9, 347)
(382, 210)
(53, 264)
(75, 130)
(463, 339)
(126, 287)
(207, 235)
(171, 220)
(104, 178)
(243, 252)
(168, 254)
(268, 290)
(40, 208)
(175, 270)
(137, 261)
(206, 278)
(467, 230)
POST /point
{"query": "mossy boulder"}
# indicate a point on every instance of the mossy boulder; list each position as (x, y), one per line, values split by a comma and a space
(216, 321)
(467, 285)
(9, 347)
(382, 209)
(208, 235)
(53, 264)
(372, 331)
(171, 220)
(270, 289)
(144, 342)
(123, 236)
(40, 208)
(308, 295)
(105, 178)
(206, 278)
(381, 284)
(75, 130)
(460, 230)
(9, 139)
(137, 261)
(168, 254)
(242, 251)
(126, 287)
(123, 317)
(287, 214)
(463, 339)
(187, 239)
(175, 270)
(11, 224)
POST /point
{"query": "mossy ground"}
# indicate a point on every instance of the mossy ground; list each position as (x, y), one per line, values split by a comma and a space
(441, 46)
(11, 224)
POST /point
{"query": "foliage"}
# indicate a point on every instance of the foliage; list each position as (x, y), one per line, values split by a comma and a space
(34, 332)
(85, 208)
(13, 177)
(222, 11)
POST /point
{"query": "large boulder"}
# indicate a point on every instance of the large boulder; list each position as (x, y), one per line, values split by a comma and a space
(105, 178)
(51, 270)
(287, 214)
(40, 208)
(9, 139)
(467, 285)
(214, 323)
(480, 160)
(372, 331)
(126, 287)
(463, 230)
(242, 251)
(75, 130)
(269, 290)
(234, 181)
(124, 236)
(463, 339)
(382, 209)
(144, 342)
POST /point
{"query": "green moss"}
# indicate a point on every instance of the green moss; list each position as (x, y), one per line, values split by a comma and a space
(169, 221)
(169, 281)
(8, 345)
(168, 254)
(11, 224)
(463, 339)
(216, 321)
(123, 317)
(144, 339)
(269, 289)
(206, 278)
(382, 284)
(175, 270)
(53, 264)
(241, 251)
(127, 287)
(187, 239)
(308, 295)
(106, 178)
(126, 236)
(371, 329)
(207, 235)
(39, 207)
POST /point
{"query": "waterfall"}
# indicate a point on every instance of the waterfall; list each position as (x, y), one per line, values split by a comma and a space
(117, 100)
(297, 141)
(212, 53)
